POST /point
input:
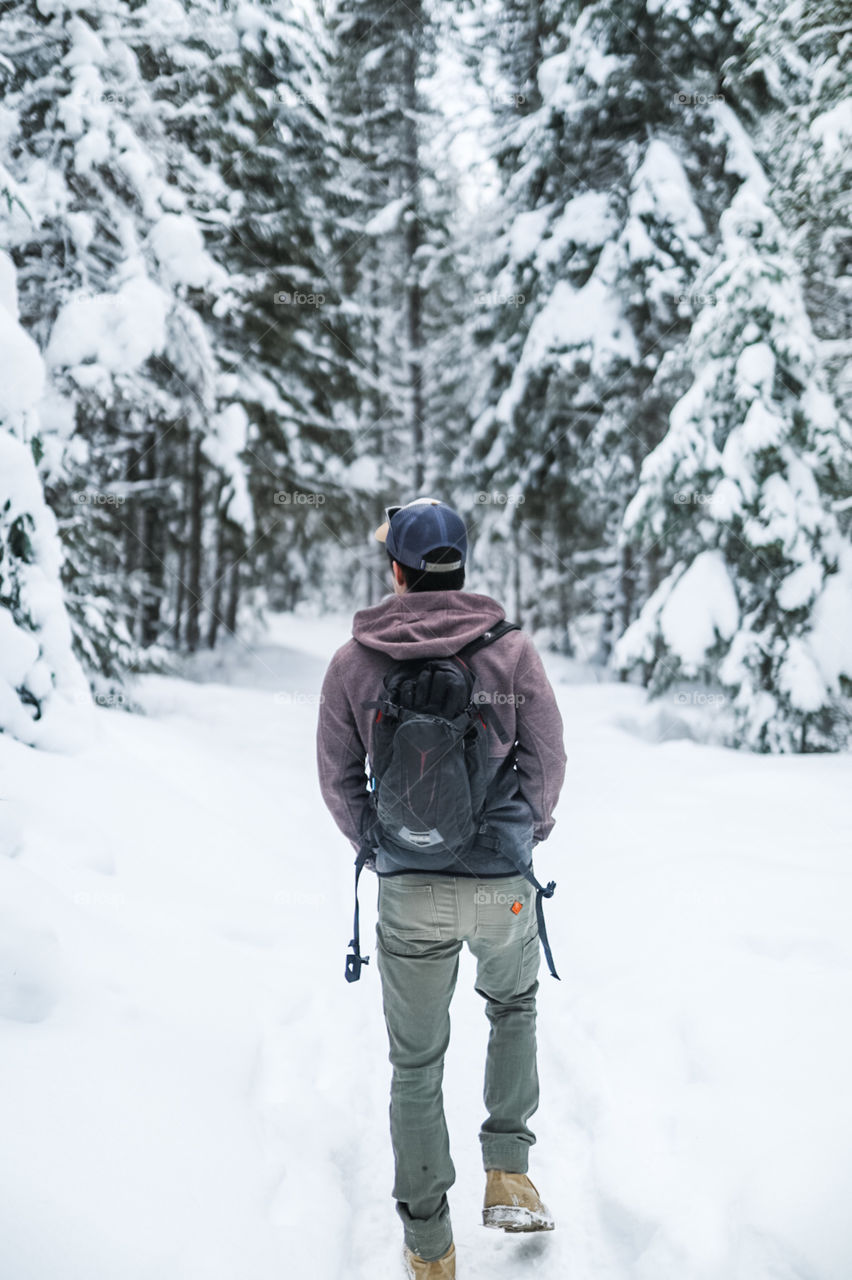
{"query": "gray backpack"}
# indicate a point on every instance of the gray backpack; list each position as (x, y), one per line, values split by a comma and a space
(429, 755)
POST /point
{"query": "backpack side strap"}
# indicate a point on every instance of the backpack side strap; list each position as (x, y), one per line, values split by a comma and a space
(355, 961)
(542, 891)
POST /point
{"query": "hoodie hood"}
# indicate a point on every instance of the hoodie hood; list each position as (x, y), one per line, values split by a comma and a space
(425, 624)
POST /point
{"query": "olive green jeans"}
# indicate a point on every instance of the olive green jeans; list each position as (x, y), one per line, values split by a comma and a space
(422, 922)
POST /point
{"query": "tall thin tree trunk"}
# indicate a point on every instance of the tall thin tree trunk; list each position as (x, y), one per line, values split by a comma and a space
(654, 568)
(373, 569)
(153, 549)
(517, 591)
(413, 293)
(625, 592)
(565, 583)
(220, 573)
(132, 535)
(627, 586)
(233, 595)
(196, 511)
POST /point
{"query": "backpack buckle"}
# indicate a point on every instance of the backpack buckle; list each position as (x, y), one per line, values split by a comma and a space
(353, 965)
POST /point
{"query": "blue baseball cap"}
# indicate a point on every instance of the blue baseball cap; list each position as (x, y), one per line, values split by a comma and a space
(421, 526)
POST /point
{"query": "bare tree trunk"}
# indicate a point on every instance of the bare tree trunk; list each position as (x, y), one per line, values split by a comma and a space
(565, 585)
(625, 592)
(233, 597)
(627, 586)
(538, 562)
(220, 572)
(153, 549)
(373, 584)
(517, 591)
(413, 293)
(378, 424)
(196, 512)
(131, 541)
(180, 594)
(654, 568)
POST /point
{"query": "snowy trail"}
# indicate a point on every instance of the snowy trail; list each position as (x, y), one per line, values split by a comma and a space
(189, 1089)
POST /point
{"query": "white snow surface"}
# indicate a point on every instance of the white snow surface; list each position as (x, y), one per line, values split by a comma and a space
(800, 679)
(832, 626)
(527, 231)
(586, 220)
(223, 445)
(661, 191)
(117, 331)
(387, 219)
(739, 152)
(755, 370)
(833, 128)
(800, 586)
(701, 608)
(22, 372)
(179, 245)
(8, 285)
(587, 322)
(189, 1088)
(692, 609)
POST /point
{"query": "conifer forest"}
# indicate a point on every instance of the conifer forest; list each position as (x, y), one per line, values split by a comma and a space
(267, 266)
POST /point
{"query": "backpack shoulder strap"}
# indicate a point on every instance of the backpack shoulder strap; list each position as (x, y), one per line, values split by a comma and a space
(488, 637)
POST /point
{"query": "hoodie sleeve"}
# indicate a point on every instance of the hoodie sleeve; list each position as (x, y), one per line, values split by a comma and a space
(341, 757)
(540, 752)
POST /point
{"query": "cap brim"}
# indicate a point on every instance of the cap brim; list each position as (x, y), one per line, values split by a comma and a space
(382, 532)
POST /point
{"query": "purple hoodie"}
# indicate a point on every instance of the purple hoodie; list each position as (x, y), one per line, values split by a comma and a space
(525, 778)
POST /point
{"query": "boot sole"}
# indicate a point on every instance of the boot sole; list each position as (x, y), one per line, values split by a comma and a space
(515, 1218)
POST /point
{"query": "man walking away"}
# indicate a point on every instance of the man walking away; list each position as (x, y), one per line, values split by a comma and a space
(434, 894)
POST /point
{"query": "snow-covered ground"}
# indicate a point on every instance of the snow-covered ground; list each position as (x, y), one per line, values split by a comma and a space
(190, 1091)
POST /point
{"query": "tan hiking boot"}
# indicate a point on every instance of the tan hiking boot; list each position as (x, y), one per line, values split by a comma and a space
(512, 1203)
(443, 1268)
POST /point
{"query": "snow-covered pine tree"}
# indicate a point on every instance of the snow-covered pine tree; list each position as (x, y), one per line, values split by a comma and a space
(177, 129)
(792, 91)
(757, 600)
(611, 186)
(43, 692)
(819, 169)
(109, 253)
